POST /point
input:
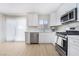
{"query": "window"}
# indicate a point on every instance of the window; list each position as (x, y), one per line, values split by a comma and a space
(43, 25)
(41, 21)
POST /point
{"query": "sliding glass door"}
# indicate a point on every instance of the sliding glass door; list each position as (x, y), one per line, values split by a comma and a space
(15, 28)
(11, 29)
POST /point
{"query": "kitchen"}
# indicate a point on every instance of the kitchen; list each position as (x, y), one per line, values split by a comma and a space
(40, 23)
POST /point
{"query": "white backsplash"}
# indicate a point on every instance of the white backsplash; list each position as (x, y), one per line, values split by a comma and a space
(37, 29)
(68, 26)
(33, 29)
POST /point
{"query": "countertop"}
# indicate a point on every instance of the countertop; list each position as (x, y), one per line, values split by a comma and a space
(41, 32)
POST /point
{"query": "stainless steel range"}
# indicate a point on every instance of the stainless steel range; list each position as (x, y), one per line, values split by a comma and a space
(61, 43)
(67, 43)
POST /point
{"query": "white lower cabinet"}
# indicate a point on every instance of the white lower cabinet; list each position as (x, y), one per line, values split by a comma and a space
(73, 46)
(44, 38)
(27, 37)
(73, 51)
(47, 37)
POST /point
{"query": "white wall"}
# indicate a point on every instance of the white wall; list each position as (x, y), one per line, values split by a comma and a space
(2, 28)
(21, 28)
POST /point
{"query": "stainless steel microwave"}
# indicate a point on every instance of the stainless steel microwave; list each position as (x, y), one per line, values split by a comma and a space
(69, 16)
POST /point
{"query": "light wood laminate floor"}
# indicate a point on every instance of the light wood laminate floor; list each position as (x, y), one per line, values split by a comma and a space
(22, 49)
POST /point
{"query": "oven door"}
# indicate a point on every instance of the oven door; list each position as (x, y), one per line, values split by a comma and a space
(61, 48)
(60, 41)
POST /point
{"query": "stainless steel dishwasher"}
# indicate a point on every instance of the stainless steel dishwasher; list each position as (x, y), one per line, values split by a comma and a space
(34, 37)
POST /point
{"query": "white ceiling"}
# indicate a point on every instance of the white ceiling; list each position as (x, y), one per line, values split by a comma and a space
(24, 8)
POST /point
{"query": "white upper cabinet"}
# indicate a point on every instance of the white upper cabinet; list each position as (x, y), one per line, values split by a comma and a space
(32, 19)
(53, 20)
(78, 11)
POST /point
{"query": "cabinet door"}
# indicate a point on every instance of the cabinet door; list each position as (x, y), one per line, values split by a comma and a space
(73, 46)
(44, 38)
(47, 38)
(35, 20)
(27, 37)
(32, 20)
